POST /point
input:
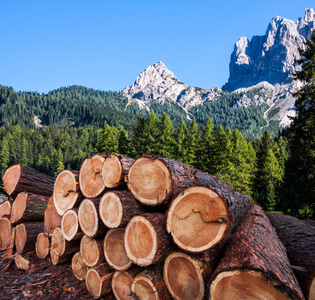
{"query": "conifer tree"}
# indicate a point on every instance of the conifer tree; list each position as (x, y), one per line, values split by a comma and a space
(166, 137)
(108, 140)
(138, 139)
(124, 141)
(181, 142)
(193, 145)
(151, 133)
(4, 155)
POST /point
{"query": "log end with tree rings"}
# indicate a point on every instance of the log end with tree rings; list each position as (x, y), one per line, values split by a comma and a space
(149, 180)
(18, 207)
(20, 238)
(5, 233)
(90, 178)
(70, 225)
(140, 241)
(88, 217)
(5, 208)
(11, 178)
(143, 288)
(65, 192)
(112, 171)
(197, 219)
(42, 246)
(55, 258)
(91, 251)
(79, 268)
(121, 285)
(114, 250)
(245, 284)
(58, 243)
(111, 210)
(98, 280)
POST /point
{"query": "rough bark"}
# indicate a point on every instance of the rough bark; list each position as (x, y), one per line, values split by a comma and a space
(254, 263)
(19, 178)
(70, 225)
(92, 251)
(5, 208)
(51, 218)
(5, 233)
(299, 239)
(79, 268)
(42, 246)
(146, 240)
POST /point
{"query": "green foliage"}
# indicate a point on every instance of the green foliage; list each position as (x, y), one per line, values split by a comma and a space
(108, 140)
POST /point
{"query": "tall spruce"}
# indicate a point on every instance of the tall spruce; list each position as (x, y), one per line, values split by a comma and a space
(151, 133)
(193, 145)
(181, 142)
(166, 137)
(108, 140)
(138, 139)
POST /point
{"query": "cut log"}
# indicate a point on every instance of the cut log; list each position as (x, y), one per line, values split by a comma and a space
(51, 218)
(146, 241)
(149, 284)
(26, 236)
(299, 239)
(118, 207)
(42, 246)
(90, 178)
(115, 168)
(187, 275)
(70, 225)
(114, 250)
(92, 251)
(203, 217)
(79, 268)
(5, 233)
(89, 218)
(7, 253)
(66, 193)
(255, 263)
(19, 178)
(28, 207)
(21, 262)
(98, 280)
(5, 208)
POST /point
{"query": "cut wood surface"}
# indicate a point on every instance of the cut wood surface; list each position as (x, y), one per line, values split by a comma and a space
(92, 251)
(90, 178)
(7, 253)
(66, 190)
(61, 246)
(28, 207)
(146, 240)
(98, 280)
(5, 208)
(42, 246)
(114, 250)
(70, 225)
(254, 263)
(26, 236)
(21, 262)
(118, 207)
(51, 218)
(299, 239)
(79, 268)
(19, 178)
(5, 233)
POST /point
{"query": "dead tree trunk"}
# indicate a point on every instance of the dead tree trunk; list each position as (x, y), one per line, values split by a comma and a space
(79, 268)
(28, 207)
(114, 250)
(5, 233)
(115, 168)
(146, 241)
(118, 207)
(42, 246)
(70, 225)
(92, 251)
(255, 263)
(51, 218)
(66, 193)
(19, 178)
(299, 239)
(5, 208)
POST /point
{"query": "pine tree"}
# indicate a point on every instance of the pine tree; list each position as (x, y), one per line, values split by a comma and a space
(181, 142)
(138, 139)
(108, 140)
(124, 141)
(193, 146)
(151, 133)
(166, 137)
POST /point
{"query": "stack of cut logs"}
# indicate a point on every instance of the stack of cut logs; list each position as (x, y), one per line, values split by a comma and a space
(154, 228)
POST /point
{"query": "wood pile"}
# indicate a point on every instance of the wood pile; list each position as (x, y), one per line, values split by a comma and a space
(153, 228)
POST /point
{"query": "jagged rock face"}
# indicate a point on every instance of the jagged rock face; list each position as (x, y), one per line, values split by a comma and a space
(270, 57)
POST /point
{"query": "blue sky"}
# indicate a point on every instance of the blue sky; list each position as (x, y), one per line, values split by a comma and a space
(106, 44)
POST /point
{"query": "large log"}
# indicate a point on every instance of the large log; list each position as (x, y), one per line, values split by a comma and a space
(42, 246)
(5, 233)
(146, 241)
(90, 178)
(19, 178)
(114, 250)
(66, 191)
(28, 207)
(254, 263)
(299, 239)
(70, 225)
(26, 236)
(115, 168)
(51, 218)
(79, 268)
(5, 208)
(92, 251)
(118, 207)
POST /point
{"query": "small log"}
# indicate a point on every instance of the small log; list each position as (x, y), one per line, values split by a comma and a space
(28, 207)
(51, 218)
(79, 268)
(114, 250)
(254, 263)
(8, 251)
(115, 168)
(5, 208)
(149, 284)
(299, 239)
(5, 233)
(89, 218)
(42, 246)
(118, 207)
(146, 241)
(21, 262)
(90, 178)
(19, 178)
(92, 251)
(66, 193)
(98, 280)
(26, 236)
(61, 246)
(70, 225)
